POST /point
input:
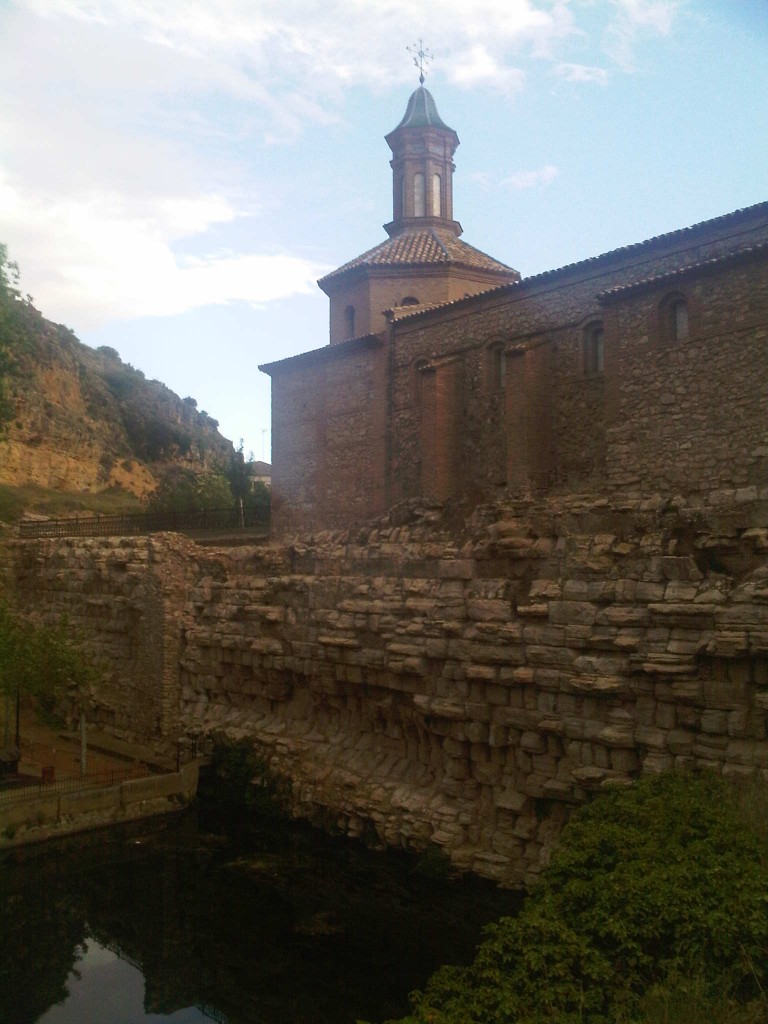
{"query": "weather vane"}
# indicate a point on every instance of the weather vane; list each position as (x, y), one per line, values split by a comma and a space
(420, 56)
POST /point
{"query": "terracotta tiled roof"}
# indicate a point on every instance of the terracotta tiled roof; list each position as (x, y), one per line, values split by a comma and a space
(736, 256)
(325, 354)
(725, 220)
(423, 248)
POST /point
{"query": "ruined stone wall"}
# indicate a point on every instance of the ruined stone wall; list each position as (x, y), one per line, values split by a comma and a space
(124, 597)
(425, 685)
(470, 691)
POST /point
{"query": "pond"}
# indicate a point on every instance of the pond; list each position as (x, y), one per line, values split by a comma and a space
(179, 923)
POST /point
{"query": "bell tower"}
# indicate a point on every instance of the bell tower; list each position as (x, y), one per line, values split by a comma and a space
(422, 168)
(423, 262)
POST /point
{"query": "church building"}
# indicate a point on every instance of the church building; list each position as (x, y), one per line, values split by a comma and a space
(637, 373)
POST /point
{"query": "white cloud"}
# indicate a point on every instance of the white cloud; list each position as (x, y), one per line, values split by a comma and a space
(292, 41)
(479, 67)
(483, 179)
(531, 179)
(653, 14)
(102, 258)
(633, 20)
(520, 180)
(129, 130)
(581, 73)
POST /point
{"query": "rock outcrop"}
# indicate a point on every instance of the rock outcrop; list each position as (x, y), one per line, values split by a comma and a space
(84, 421)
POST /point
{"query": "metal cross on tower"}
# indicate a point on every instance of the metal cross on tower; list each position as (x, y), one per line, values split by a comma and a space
(420, 56)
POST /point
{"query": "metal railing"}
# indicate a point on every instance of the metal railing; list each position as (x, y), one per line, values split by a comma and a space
(146, 522)
(23, 789)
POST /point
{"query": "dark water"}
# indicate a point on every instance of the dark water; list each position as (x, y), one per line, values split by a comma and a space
(283, 926)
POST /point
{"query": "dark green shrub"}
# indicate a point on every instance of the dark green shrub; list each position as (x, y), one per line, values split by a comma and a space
(241, 777)
(434, 865)
(650, 889)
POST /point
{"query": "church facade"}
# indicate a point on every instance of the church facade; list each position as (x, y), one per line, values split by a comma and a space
(634, 374)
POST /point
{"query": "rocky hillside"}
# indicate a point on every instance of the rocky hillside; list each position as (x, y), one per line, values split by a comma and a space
(80, 420)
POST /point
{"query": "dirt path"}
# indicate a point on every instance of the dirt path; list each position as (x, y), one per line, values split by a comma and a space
(44, 748)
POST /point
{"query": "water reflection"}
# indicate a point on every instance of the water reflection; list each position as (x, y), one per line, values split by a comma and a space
(105, 987)
(282, 927)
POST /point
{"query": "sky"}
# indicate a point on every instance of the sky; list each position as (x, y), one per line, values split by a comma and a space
(176, 174)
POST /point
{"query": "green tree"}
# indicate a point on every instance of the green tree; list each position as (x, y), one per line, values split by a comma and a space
(247, 493)
(182, 489)
(43, 662)
(238, 475)
(14, 308)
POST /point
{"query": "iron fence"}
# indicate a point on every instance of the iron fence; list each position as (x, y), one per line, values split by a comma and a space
(146, 522)
(23, 789)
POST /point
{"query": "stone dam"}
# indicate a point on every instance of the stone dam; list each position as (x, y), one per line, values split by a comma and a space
(422, 682)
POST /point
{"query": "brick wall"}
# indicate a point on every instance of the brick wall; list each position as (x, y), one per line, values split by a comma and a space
(434, 413)
(373, 290)
(328, 429)
(653, 420)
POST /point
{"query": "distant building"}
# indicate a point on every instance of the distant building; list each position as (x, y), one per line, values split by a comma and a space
(260, 473)
(637, 372)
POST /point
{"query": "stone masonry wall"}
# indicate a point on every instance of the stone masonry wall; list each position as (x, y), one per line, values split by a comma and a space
(124, 596)
(426, 685)
(693, 417)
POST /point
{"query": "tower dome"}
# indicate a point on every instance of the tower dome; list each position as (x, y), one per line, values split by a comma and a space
(422, 167)
(423, 262)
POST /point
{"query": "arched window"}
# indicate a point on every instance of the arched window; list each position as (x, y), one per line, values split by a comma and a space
(678, 319)
(418, 195)
(410, 300)
(497, 368)
(349, 321)
(436, 195)
(419, 369)
(594, 349)
(673, 314)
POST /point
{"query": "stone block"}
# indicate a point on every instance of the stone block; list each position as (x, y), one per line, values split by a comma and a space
(680, 742)
(456, 568)
(617, 736)
(533, 742)
(624, 760)
(534, 610)
(488, 610)
(623, 615)
(572, 612)
(656, 761)
(680, 569)
(713, 721)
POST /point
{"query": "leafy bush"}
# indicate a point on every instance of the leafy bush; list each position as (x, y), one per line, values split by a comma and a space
(242, 777)
(45, 662)
(182, 490)
(235, 764)
(15, 312)
(652, 892)
(108, 352)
